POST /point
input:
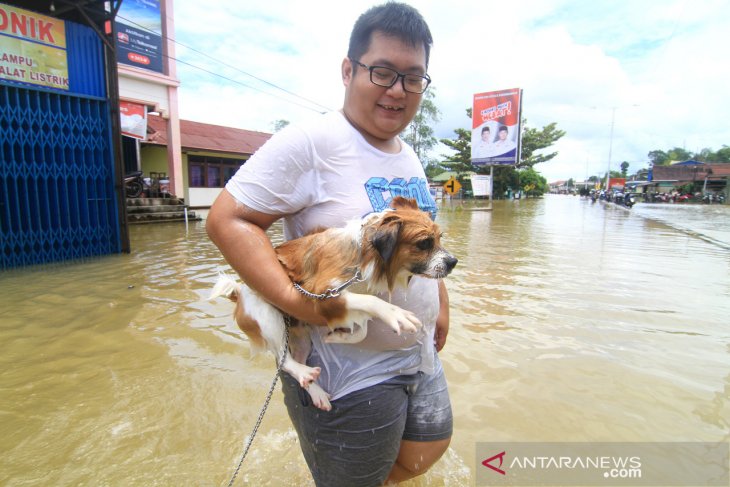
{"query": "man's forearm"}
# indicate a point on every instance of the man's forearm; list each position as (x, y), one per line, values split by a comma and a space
(248, 250)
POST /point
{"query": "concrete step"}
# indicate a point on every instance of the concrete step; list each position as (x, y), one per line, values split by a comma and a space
(158, 210)
(161, 217)
(155, 209)
(154, 201)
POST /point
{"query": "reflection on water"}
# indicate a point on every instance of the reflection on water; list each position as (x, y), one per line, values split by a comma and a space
(571, 321)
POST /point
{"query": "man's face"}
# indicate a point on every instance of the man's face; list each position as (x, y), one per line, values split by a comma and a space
(485, 136)
(376, 111)
(502, 134)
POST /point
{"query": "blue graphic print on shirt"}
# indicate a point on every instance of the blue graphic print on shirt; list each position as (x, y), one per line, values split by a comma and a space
(416, 188)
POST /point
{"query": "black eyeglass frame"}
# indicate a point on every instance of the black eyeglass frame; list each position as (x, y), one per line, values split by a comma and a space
(398, 76)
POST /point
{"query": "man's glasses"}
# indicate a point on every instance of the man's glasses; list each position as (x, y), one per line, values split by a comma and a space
(386, 77)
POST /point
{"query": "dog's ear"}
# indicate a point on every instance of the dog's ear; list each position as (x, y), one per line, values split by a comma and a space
(402, 202)
(290, 258)
(385, 238)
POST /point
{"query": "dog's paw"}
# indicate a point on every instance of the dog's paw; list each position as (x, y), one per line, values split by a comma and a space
(309, 376)
(320, 398)
(400, 320)
(303, 374)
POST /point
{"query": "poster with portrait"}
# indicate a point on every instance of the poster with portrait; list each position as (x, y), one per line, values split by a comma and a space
(495, 136)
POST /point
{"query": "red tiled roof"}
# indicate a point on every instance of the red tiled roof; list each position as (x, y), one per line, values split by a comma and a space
(204, 136)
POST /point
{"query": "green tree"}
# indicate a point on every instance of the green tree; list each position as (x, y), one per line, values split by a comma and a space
(664, 158)
(419, 134)
(658, 158)
(723, 155)
(534, 140)
(705, 155)
(279, 124)
(678, 154)
(624, 169)
(532, 182)
(433, 169)
(460, 161)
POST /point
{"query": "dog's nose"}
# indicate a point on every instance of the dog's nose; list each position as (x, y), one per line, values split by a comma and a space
(450, 262)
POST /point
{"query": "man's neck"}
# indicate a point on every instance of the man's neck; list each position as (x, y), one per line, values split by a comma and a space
(390, 146)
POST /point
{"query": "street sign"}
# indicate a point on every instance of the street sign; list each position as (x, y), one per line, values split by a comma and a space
(452, 186)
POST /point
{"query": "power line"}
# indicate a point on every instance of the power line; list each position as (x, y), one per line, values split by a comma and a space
(242, 84)
(231, 67)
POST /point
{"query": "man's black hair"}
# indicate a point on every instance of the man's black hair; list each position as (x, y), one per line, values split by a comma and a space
(486, 129)
(393, 19)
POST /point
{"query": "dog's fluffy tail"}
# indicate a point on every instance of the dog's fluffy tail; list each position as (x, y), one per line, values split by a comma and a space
(227, 287)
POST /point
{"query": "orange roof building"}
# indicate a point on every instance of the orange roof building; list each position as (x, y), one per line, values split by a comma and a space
(211, 154)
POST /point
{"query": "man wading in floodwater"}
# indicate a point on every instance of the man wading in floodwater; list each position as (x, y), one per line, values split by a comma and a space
(391, 417)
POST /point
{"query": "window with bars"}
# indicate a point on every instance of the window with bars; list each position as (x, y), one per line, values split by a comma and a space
(211, 172)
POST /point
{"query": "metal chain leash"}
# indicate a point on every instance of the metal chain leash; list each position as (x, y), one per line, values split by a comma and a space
(329, 293)
(284, 351)
(334, 292)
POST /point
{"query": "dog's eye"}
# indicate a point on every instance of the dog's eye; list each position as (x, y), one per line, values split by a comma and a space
(425, 244)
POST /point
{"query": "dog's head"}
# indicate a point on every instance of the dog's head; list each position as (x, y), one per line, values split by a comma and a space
(405, 242)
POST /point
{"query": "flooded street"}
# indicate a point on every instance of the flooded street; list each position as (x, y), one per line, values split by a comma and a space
(571, 321)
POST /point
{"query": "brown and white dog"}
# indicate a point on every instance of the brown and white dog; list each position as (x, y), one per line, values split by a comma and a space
(387, 248)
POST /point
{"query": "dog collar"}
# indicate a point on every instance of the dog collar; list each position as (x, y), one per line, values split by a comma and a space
(331, 293)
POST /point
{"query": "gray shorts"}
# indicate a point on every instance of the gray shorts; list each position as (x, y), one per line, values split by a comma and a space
(357, 442)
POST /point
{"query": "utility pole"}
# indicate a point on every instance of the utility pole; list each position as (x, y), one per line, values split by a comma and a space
(610, 146)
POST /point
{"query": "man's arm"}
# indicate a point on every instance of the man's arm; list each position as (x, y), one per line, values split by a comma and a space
(240, 234)
(442, 321)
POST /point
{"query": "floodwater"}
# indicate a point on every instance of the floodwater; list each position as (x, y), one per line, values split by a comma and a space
(571, 321)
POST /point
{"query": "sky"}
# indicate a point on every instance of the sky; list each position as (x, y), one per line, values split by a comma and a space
(621, 78)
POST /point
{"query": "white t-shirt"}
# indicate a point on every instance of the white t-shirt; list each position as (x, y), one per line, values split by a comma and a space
(325, 174)
(484, 149)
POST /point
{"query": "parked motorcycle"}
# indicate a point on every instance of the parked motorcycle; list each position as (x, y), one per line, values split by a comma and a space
(710, 198)
(133, 184)
(682, 198)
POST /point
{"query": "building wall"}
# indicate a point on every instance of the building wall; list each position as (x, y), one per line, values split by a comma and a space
(57, 167)
(154, 159)
(159, 93)
(143, 90)
(203, 197)
(681, 173)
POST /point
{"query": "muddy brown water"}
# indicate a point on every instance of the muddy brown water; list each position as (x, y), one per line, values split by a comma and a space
(571, 321)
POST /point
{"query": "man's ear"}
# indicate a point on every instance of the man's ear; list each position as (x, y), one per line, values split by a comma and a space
(346, 71)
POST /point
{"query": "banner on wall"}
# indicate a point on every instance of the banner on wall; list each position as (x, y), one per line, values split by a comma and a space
(139, 34)
(32, 48)
(495, 136)
(134, 119)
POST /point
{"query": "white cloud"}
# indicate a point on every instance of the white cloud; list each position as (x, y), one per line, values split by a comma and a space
(574, 60)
